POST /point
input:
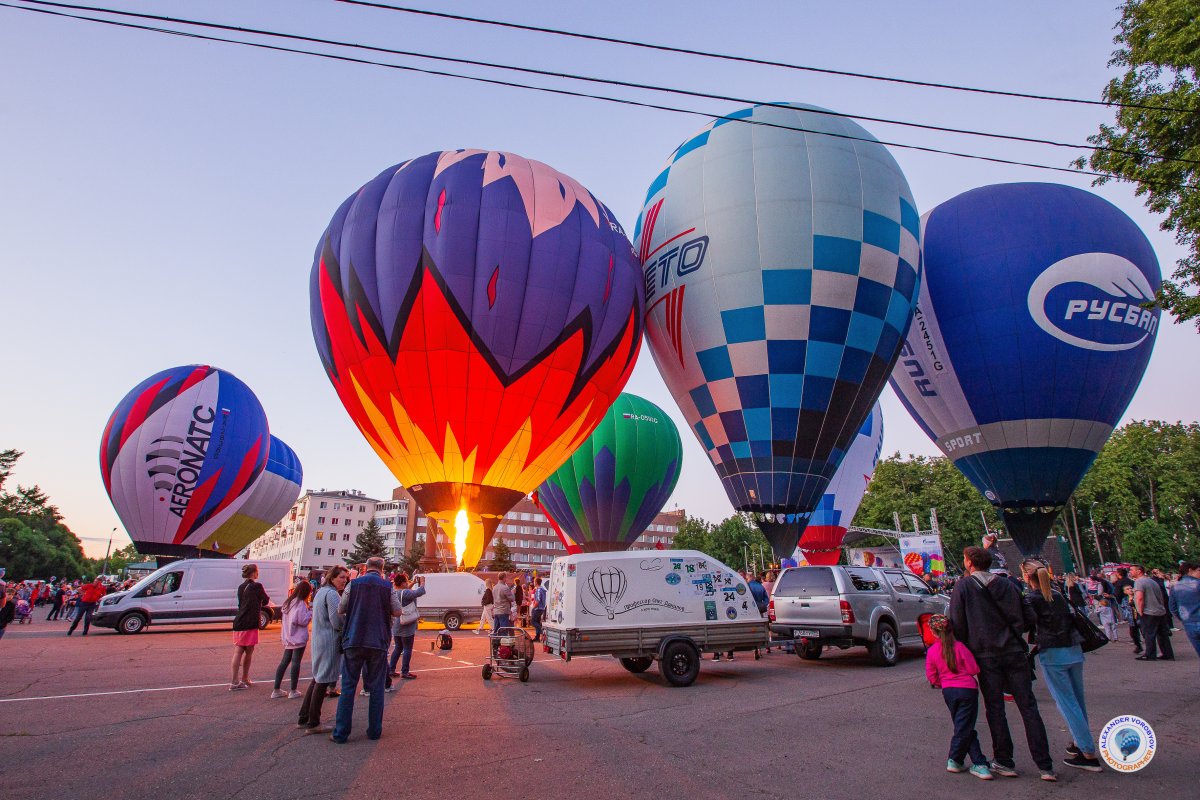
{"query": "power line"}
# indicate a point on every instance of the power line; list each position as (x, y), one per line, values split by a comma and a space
(757, 61)
(591, 79)
(550, 90)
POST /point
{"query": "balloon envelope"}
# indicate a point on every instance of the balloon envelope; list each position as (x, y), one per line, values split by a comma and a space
(618, 480)
(781, 270)
(821, 541)
(180, 455)
(1029, 341)
(267, 502)
(477, 313)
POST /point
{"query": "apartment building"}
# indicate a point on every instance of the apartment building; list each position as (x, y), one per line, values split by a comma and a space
(318, 531)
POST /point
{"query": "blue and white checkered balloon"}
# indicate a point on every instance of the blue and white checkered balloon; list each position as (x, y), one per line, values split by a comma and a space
(780, 248)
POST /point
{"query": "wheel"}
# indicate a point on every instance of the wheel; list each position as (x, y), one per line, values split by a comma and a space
(680, 663)
(132, 623)
(884, 650)
(809, 651)
(452, 620)
(524, 676)
(264, 619)
(487, 672)
(638, 664)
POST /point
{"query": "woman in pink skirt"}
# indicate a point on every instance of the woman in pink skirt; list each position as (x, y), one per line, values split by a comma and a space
(252, 598)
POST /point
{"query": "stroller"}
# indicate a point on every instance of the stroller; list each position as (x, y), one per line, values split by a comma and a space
(510, 654)
(24, 612)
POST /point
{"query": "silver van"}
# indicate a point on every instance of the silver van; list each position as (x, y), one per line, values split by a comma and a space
(843, 607)
(192, 591)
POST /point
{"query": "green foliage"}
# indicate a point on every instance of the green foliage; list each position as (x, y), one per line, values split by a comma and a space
(411, 561)
(33, 541)
(1148, 470)
(916, 484)
(1156, 144)
(502, 560)
(1153, 545)
(735, 541)
(368, 544)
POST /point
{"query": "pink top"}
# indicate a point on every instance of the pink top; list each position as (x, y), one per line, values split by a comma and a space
(294, 633)
(940, 675)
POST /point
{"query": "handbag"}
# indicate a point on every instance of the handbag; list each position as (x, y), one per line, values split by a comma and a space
(408, 617)
(1092, 637)
(1030, 653)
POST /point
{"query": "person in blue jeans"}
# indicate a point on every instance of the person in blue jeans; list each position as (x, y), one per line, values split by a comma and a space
(1185, 601)
(404, 627)
(504, 604)
(368, 605)
(1061, 660)
(539, 608)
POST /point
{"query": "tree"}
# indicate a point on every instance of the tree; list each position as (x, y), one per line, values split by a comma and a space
(502, 560)
(368, 544)
(410, 562)
(33, 541)
(1155, 142)
(917, 484)
(735, 541)
(1151, 544)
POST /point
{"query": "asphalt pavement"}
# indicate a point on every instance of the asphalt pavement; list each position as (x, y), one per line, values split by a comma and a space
(150, 716)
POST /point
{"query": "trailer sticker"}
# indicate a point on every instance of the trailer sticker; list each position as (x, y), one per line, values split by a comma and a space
(731, 612)
(673, 578)
(676, 564)
(741, 589)
(710, 610)
(651, 564)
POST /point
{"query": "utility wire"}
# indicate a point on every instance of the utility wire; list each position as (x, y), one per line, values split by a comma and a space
(757, 61)
(605, 81)
(549, 90)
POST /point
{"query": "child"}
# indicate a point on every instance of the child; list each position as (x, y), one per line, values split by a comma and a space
(951, 667)
(1108, 618)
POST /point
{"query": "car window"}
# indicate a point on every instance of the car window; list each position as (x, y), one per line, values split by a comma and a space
(165, 584)
(864, 580)
(806, 581)
(917, 585)
(896, 579)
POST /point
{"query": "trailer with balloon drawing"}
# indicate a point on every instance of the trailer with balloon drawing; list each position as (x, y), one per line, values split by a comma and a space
(669, 606)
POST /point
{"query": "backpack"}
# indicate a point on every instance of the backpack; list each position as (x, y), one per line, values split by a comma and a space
(443, 642)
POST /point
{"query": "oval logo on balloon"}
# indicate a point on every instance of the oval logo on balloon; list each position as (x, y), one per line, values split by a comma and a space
(1093, 301)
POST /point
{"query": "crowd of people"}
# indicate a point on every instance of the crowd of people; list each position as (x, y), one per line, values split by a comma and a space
(74, 601)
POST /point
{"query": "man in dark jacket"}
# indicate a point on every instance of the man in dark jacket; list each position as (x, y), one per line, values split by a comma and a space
(368, 605)
(988, 616)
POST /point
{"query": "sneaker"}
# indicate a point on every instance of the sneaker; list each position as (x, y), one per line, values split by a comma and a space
(954, 766)
(1008, 698)
(981, 771)
(1073, 750)
(247, 682)
(294, 695)
(999, 769)
(233, 687)
(1047, 775)
(1084, 763)
(278, 693)
(320, 729)
(364, 693)
(716, 656)
(391, 687)
(408, 676)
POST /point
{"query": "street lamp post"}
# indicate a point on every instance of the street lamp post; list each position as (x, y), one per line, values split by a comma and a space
(1095, 536)
(107, 551)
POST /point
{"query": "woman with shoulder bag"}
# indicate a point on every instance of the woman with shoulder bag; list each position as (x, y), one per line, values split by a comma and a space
(404, 627)
(1061, 658)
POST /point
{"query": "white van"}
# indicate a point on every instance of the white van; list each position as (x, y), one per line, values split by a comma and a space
(451, 598)
(644, 606)
(192, 591)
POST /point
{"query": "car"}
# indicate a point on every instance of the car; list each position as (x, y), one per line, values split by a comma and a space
(845, 606)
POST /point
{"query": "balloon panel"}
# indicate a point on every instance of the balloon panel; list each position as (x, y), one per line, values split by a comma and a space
(1029, 339)
(821, 541)
(271, 497)
(180, 454)
(780, 273)
(618, 480)
(477, 313)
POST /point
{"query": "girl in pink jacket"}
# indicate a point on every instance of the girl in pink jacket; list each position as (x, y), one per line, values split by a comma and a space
(950, 666)
(297, 614)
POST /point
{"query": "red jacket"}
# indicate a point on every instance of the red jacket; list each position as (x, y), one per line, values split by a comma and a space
(91, 593)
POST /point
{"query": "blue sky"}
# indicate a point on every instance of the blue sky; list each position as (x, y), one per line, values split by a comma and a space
(160, 197)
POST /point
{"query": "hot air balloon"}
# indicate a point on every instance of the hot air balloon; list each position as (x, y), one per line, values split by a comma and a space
(268, 500)
(618, 480)
(570, 545)
(477, 313)
(1029, 341)
(780, 255)
(822, 539)
(180, 455)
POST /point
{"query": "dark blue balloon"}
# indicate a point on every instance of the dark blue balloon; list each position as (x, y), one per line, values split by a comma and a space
(1029, 340)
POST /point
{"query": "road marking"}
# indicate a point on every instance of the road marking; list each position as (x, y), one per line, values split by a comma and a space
(448, 658)
(468, 663)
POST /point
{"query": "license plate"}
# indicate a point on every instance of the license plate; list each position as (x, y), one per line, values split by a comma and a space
(805, 633)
